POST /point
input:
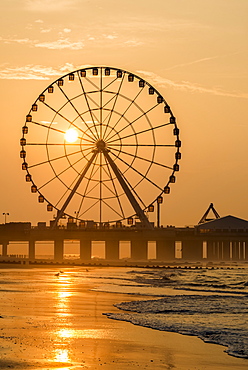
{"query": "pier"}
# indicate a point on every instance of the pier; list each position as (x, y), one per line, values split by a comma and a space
(223, 239)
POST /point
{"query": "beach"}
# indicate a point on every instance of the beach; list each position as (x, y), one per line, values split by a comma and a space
(58, 322)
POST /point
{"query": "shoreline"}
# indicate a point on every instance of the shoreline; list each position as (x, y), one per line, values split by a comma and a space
(26, 263)
(90, 340)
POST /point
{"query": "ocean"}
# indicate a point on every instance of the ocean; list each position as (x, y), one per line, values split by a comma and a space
(208, 302)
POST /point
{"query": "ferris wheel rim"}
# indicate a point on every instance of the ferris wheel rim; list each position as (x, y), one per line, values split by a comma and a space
(92, 131)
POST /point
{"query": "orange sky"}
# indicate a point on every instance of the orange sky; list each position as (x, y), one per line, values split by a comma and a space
(194, 52)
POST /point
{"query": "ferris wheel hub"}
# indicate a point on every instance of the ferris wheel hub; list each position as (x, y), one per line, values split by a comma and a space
(101, 145)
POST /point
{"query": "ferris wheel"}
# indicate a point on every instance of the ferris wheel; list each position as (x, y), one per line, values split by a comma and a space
(100, 144)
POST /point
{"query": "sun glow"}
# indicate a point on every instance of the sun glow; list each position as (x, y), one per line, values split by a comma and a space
(71, 135)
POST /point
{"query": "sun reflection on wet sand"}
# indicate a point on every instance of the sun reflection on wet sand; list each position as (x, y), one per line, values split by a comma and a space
(69, 330)
(63, 294)
(66, 333)
(63, 336)
(62, 355)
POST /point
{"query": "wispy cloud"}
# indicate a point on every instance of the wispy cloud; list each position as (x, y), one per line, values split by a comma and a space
(157, 24)
(26, 41)
(192, 62)
(110, 37)
(34, 72)
(60, 44)
(202, 60)
(45, 30)
(39, 72)
(133, 43)
(49, 5)
(189, 86)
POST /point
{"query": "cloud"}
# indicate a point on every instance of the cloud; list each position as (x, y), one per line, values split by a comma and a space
(193, 62)
(110, 37)
(133, 43)
(49, 5)
(189, 86)
(34, 72)
(17, 41)
(46, 30)
(158, 24)
(206, 59)
(60, 44)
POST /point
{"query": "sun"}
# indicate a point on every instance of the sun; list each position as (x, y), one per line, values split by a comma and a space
(71, 135)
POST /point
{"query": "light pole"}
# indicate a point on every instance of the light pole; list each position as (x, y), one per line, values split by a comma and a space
(5, 214)
(159, 201)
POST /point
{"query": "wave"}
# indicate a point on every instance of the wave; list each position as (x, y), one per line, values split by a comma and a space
(214, 318)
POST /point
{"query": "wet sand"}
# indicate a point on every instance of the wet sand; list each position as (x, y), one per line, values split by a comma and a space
(69, 331)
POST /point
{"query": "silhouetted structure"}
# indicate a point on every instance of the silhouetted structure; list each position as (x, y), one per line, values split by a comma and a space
(204, 217)
(223, 239)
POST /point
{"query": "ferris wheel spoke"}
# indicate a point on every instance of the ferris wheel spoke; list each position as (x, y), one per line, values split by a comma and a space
(55, 159)
(136, 119)
(90, 146)
(100, 190)
(92, 83)
(144, 159)
(91, 177)
(109, 99)
(48, 127)
(112, 209)
(76, 110)
(86, 186)
(100, 102)
(96, 136)
(53, 144)
(106, 117)
(107, 186)
(123, 114)
(115, 190)
(107, 86)
(134, 191)
(60, 131)
(90, 207)
(147, 145)
(60, 173)
(92, 188)
(128, 191)
(142, 132)
(114, 104)
(85, 170)
(135, 170)
(93, 100)
(64, 118)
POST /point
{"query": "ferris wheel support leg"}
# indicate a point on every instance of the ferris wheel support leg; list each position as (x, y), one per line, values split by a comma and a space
(61, 211)
(128, 192)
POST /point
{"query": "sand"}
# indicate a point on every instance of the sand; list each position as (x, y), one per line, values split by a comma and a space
(48, 334)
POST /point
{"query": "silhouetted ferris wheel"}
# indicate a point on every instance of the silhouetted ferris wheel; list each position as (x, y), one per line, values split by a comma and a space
(100, 144)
